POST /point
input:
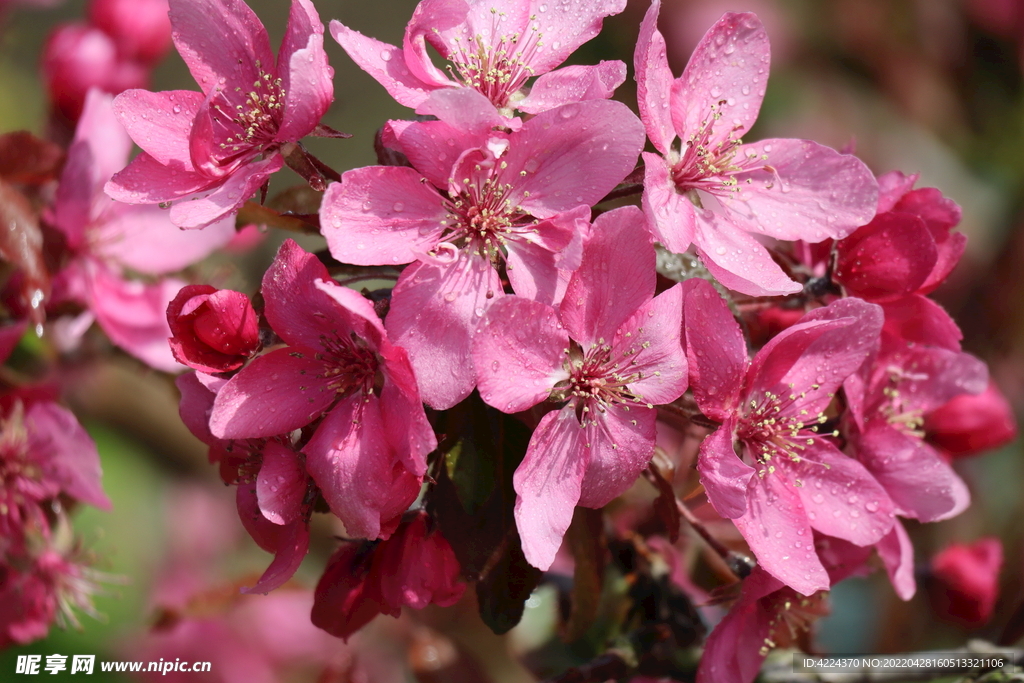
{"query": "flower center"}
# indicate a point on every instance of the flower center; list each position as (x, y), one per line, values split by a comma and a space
(349, 364)
(499, 69)
(793, 616)
(256, 118)
(896, 408)
(776, 427)
(710, 165)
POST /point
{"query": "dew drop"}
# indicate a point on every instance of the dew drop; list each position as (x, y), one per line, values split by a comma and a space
(385, 55)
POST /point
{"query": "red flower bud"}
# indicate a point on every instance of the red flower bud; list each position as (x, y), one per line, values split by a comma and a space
(968, 578)
(214, 330)
(140, 28)
(971, 424)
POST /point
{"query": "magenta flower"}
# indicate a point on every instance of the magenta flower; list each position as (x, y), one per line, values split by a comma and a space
(710, 190)
(889, 399)
(610, 352)
(767, 468)
(107, 238)
(968, 577)
(476, 199)
(368, 454)
(494, 48)
(215, 148)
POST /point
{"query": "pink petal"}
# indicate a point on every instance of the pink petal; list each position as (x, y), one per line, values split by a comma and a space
(736, 259)
(276, 393)
(572, 155)
(916, 478)
(195, 406)
(228, 198)
(670, 215)
(725, 477)
(519, 351)
(540, 258)
(305, 74)
(920, 320)
(281, 484)
(897, 554)
(160, 123)
(146, 181)
(650, 341)
(715, 350)
(892, 186)
(814, 192)
(439, 22)
(220, 38)
(616, 277)
(933, 377)
(359, 475)
(969, 424)
(405, 423)
(463, 109)
(434, 310)
(432, 147)
(886, 259)
(292, 546)
(574, 84)
(654, 82)
(570, 24)
(548, 483)
(384, 62)
(10, 335)
(949, 256)
(776, 528)
(143, 239)
(734, 51)
(66, 453)
(381, 215)
(620, 442)
(842, 499)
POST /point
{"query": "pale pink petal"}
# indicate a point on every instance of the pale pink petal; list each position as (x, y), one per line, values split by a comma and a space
(736, 259)
(892, 186)
(281, 484)
(195, 406)
(654, 81)
(548, 483)
(381, 215)
(921, 320)
(538, 272)
(228, 198)
(220, 39)
(574, 84)
(842, 498)
(726, 75)
(276, 393)
(384, 62)
(66, 453)
(432, 147)
(434, 309)
(362, 481)
(615, 278)
(572, 155)
(670, 214)
(715, 350)
(921, 484)
(620, 444)
(897, 554)
(146, 181)
(405, 423)
(650, 341)
(160, 122)
(519, 351)
(566, 26)
(725, 477)
(305, 74)
(292, 546)
(142, 237)
(778, 532)
(440, 22)
(803, 191)
(462, 109)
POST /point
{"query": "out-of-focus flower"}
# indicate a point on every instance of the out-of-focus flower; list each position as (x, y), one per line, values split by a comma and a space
(494, 47)
(141, 29)
(213, 330)
(213, 149)
(968, 576)
(415, 567)
(971, 423)
(717, 193)
(611, 351)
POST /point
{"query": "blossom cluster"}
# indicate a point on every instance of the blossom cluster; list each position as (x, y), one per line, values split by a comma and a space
(549, 282)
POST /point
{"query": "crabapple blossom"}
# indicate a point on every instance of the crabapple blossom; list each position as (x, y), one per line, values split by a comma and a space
(213, 330)
(213, 149)
(968, 578)
(707, 188)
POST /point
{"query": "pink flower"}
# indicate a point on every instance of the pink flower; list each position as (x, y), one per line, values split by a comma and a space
(368, 453)
(494, 47)
(140, 28)
(787, 479)
(972, 423)
(214, 149)
(519, 199)
(415, 567)
(968, 576)
(711, 190)
(213, 330)
(107, 238)
(610, 352)
(889, 399)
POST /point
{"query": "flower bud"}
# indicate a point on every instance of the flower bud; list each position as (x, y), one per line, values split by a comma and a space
(141, 29)
(972, 423)
(213, 330)
(968, 577)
